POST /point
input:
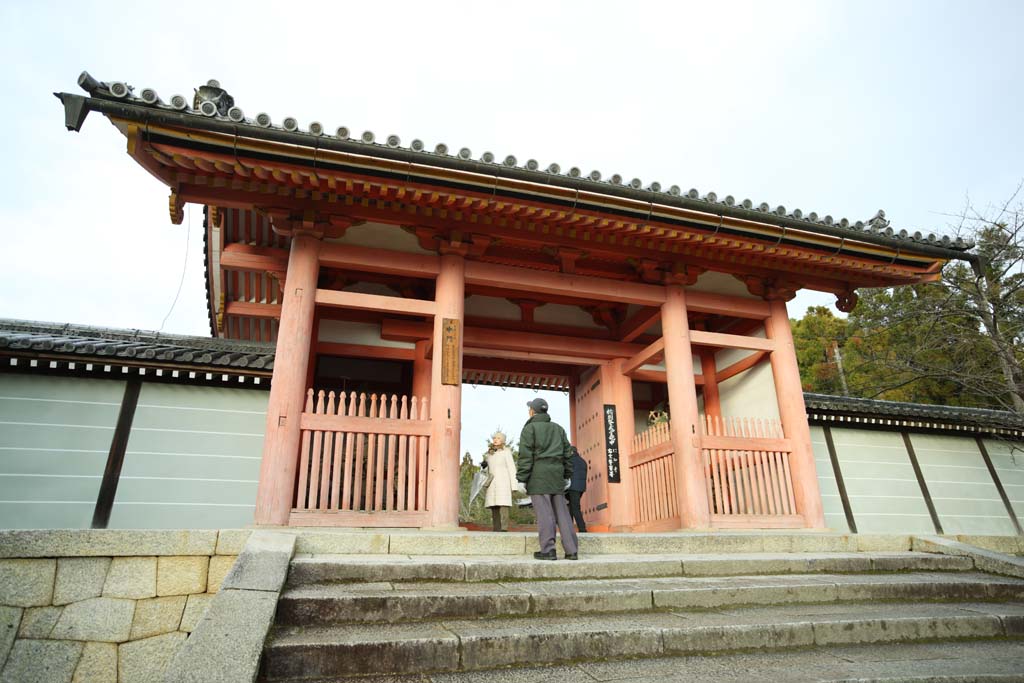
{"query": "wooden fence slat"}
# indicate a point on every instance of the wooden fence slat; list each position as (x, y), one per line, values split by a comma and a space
(316, 456)
(301, 501)
(400, 503)
(346, 484)
(391, 457)
(361, 443)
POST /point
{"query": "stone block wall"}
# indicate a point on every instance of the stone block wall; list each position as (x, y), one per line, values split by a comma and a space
(97, 606)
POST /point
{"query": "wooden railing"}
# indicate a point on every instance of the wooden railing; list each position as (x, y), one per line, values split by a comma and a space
(363, 455)
(653, 474)
(746, 467)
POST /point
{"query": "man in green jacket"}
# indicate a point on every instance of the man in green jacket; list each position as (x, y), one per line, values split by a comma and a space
(545, 466)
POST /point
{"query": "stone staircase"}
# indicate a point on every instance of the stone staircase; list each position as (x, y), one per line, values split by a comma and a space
(650, 614)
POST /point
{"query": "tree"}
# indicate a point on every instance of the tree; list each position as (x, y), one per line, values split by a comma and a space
(956, 341)
(818, 336)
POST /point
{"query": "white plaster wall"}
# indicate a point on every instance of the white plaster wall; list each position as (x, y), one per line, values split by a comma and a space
(961, 487)
(492, 307)
(1008, 461)
(345, 332)
(381, 236)
(750, 394)
(884, 494)
(721, 283)
(561, 314)
(831, 501)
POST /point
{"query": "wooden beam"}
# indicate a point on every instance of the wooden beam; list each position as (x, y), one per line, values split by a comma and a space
(638, 324)
(477, 364)
(350, 257)
(740, 366)
(722, 304)
(252, 309)
(237, 256)
(538, 282)
(482, 338)
(730, 341)
(645, 356)
(535, 357)
(365, 351)
(659, 377)
(115, 456)
(374, 302)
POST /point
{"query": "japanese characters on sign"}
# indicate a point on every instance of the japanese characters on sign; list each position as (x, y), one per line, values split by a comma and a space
(611, 443)
(451, 373)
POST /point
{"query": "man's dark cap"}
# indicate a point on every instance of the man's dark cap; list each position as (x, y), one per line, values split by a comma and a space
(539, 405)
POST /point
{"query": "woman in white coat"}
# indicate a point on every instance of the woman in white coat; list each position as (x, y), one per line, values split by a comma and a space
(503, 481)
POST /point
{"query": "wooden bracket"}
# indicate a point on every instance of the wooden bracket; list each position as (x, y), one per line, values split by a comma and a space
(847, 301)
(175, 207)
(769, 289)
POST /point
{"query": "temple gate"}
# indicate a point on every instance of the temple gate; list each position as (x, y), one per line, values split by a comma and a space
(388, 276)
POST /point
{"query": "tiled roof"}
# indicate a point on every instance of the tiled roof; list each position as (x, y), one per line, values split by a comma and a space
(871, 408)
(212, 102)
(169, 350)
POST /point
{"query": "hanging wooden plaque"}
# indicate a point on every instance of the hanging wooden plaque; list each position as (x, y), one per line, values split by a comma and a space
(451, 373)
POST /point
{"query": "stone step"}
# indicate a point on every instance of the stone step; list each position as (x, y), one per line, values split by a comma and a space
(336, 603)
(462, 543)
(297, 653)
(306, 569)
(934, 662)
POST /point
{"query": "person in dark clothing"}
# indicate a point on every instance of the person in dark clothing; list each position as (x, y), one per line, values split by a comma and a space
(545, 466)
(577, 487)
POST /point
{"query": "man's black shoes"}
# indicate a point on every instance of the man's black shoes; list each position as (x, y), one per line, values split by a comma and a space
(573, 556)
(545, 556)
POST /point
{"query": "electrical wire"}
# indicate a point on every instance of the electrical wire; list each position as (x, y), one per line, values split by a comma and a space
(184, 266)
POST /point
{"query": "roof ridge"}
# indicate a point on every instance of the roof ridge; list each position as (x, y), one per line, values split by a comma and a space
(213, 102)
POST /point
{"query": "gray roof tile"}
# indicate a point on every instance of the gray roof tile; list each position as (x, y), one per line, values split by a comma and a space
(878, 224)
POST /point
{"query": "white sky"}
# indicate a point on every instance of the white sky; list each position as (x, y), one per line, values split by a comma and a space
(836, 107)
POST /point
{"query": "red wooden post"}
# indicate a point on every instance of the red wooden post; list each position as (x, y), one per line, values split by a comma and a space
(421, 371)
(446, 399)
(618, 391)
(287, 388)
(682, 397)
(789, 392)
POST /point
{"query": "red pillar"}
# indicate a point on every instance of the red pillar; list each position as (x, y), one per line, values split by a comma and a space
(712, 402)
(276, 490)
(619, 391)
(446, 399)
(682, 398)
(790, 395)
(421, 371)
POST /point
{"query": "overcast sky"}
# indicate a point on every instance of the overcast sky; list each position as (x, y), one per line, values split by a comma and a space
(836, 107)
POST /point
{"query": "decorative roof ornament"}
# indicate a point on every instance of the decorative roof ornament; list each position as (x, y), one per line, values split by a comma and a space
(878, 223)
(212, 100)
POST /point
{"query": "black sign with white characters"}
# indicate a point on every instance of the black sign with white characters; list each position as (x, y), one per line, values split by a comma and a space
(611, 444)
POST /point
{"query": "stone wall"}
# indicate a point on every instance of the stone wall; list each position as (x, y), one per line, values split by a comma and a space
(98, 606)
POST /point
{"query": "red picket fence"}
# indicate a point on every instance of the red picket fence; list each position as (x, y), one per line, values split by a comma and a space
(746, 467)
(363, 454)
(653, 473)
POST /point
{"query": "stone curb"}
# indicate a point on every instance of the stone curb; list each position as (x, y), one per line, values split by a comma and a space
(327, 605)
(458, 649)
(227, 644)
(106, 542)
(354, 568)
(984, 560)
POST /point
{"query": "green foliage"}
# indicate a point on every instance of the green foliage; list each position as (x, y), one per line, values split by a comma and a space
(956, 341)
(816, 336)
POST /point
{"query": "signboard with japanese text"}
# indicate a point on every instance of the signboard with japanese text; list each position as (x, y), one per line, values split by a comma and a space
(611, 443)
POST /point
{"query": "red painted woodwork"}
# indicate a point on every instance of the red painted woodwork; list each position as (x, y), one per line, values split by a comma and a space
(367, 455)
(285, 405)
